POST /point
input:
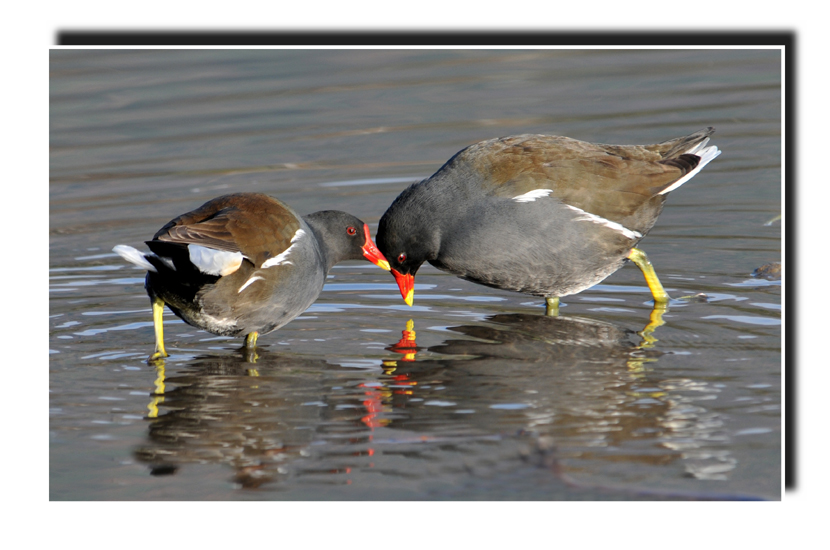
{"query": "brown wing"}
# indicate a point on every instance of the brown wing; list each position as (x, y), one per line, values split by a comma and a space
(611, 181)
(257, 225)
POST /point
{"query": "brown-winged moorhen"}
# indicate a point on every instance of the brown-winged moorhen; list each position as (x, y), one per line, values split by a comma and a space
(544, 215)
(245, 264)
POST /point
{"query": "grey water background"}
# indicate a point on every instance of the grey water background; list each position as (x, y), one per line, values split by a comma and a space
(492, 401)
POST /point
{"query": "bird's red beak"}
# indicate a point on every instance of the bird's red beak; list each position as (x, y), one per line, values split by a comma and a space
(407, 285)
(371, 252)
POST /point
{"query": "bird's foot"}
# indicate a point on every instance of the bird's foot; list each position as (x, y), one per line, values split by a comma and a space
(157, 356)
(552, 306)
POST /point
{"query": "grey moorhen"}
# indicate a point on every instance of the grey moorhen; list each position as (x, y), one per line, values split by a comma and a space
(245, 264)
(544, 215)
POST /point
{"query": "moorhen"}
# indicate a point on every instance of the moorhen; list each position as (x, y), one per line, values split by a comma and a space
(544, 215)
(245, 264)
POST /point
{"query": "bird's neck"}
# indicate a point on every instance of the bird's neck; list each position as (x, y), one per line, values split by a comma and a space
(328, 254)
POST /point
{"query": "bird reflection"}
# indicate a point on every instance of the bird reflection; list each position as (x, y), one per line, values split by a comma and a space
(221, 409)
(590, 393)
(539, 339)
(586, 397)
(282, 417)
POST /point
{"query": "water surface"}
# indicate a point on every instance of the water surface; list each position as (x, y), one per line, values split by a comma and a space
(492, 400)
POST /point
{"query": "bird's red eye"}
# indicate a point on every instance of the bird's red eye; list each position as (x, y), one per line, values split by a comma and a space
(351, 230)
(401, 258)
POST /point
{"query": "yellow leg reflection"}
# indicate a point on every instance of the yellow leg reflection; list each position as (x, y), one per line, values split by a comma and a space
(655, 320)
(635, 364)
(158, 395)
(552, 306)
(158, 325)
(639, 257)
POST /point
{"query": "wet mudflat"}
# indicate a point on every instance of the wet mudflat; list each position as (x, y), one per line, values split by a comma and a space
(488, 399)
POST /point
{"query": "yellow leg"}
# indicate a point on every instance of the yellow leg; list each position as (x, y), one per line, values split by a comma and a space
(250, 340)
(552, 306)
(158, 324)
(639, 257)
(251, 355)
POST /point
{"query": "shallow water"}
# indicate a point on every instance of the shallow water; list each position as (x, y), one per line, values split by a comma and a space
(492, 400)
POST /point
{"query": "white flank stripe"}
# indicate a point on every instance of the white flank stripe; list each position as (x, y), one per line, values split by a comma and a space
(531, 196)
(280, 259)
(706, 156)
(134, 257)
(587, 216)
(249, 281)
(214, 262)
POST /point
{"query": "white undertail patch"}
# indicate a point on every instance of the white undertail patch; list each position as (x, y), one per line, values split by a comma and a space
(531, 196)
(587, 216)
(282, 258)
(168, 262)
(706, 155)
(134, 257)
(249, 281)
(216, 322)
(214, 262)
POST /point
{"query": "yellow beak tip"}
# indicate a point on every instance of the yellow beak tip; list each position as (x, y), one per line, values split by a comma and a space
(410, 297)
(384, 265)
